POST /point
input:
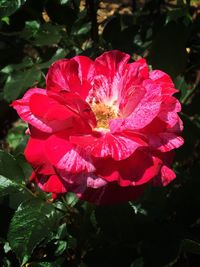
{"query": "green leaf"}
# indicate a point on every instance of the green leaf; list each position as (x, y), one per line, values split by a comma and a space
(18, 196)
(56, 263)
(21, 146)
(176, 13)
(41, 264)
(15, 135)
(6, 262)
(191, 246)
(138, 263)
(12, 180)
(137, 208)
(48, 34)
(26, 62)
(71, 199)
(7, 8)
(81, 30)
(25, 166)
(9, 167)
(60, 53)
(7, 186)
(63, 2)
(6, 20)
(6, 247)
(30, 30)
(32, 222)
(62, 231)
(61, 247)
(18, 82)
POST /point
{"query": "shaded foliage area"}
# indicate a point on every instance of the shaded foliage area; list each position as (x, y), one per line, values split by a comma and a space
(160, 229)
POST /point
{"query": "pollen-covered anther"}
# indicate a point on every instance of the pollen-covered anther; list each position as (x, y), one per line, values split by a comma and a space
(103, 114)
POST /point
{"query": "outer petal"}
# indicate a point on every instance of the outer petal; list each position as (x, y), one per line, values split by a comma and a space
(35, 155)
(138, 169)
(118, 147)
(52, 183)
(137, 72)
(64, 156)
(165, 141)
(22, 107)
(162, 79)
(74, 75)
(38, 117)
(168, 111)
(51, 112)
(166, 176)
(177, 128)
(156, 126)
(48, 109)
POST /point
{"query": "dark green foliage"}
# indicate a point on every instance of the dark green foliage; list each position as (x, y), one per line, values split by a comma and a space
(32, 222)
(160, 229)
(7, 8)
(6, 160)
(168, 51)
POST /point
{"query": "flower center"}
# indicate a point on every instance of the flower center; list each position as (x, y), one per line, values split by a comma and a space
(103, 114)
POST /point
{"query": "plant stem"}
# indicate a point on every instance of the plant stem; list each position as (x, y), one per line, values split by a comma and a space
(92, 7)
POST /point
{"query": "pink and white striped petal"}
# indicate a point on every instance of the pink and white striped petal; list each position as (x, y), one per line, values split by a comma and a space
(118, 147)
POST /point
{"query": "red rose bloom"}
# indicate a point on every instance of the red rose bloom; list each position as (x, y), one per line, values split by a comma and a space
(102, 129)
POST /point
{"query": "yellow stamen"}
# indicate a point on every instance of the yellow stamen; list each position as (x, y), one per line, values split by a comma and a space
(103, 114)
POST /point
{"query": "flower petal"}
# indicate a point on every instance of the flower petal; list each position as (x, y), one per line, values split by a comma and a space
(130, 100)
(35, 155)
(80, 107)
(23, 109)
(138, 169)
(146, 110)
(131, 91)
(167, 175)
(118, 147)
(51, 184)
(74, 75)
(165, 141)
(109, 69)
(162, 79)
(52, 112)
(64, 155)
(168, 111)
(43, 119)
(48, 109)
(142, 168)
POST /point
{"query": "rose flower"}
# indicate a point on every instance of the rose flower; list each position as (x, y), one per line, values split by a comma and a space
(102, 129)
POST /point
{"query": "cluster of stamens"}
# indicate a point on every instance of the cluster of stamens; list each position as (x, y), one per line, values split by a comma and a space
(103, 114)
